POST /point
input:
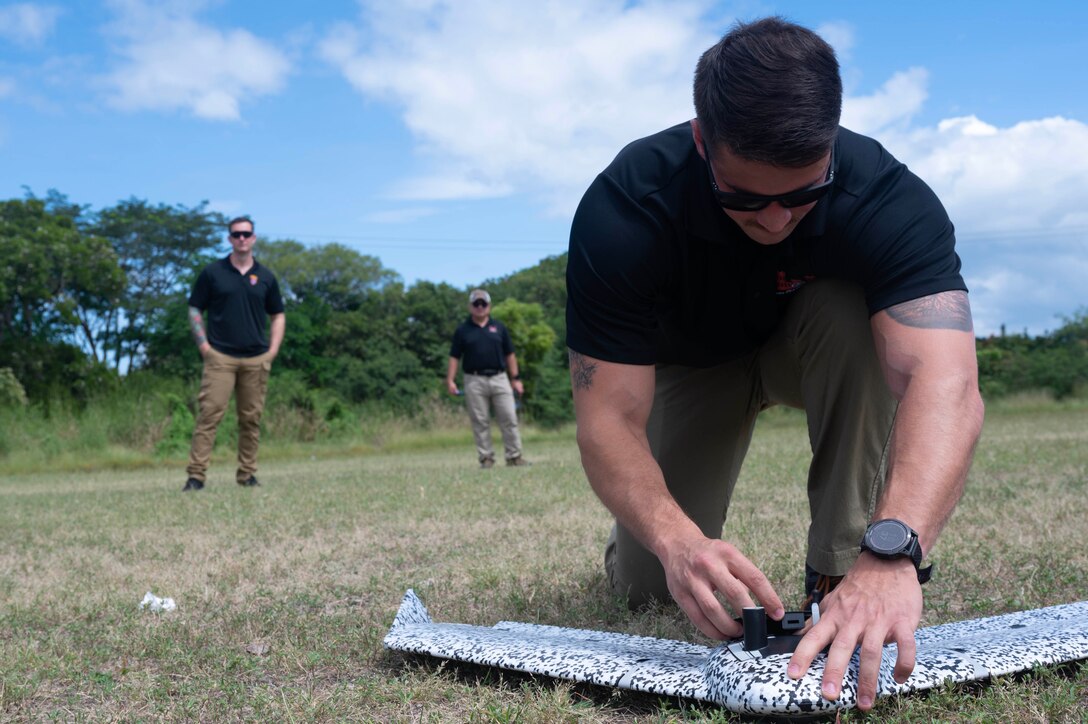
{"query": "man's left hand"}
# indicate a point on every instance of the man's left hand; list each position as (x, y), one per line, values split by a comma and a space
(518, 387)
(878, 602)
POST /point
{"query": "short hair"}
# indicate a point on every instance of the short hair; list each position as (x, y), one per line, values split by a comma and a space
(239, 220)
(770, 90)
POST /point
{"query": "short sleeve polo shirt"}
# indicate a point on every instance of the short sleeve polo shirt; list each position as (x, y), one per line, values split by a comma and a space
(238, 306)
(481, 348)
(658, 273)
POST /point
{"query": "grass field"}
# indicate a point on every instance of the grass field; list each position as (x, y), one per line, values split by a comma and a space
(284, 592)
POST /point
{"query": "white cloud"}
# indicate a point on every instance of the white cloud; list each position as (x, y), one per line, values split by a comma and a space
(897, 101)
(509, 98)
(1015, 195)
(514, 97)
(172, 61)
(1025, 281)
(7, 87)
(400, 216)
(840, 36)
(27, 23)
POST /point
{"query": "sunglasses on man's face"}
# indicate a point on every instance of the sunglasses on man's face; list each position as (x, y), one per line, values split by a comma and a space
(480, 303)
(241, 234)
(739, 201)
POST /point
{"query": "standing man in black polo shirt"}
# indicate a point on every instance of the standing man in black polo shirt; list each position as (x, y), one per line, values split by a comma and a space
(491, 378)
(759, 255)
(238, 294)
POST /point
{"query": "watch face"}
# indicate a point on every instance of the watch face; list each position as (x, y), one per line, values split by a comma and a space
(888, 536)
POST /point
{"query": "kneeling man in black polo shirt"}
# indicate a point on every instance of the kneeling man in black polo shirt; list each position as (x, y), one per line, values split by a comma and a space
(762, 255)
(238, 293)
(491, 377)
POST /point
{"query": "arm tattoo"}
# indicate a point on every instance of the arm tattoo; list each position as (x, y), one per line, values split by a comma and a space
(196, 322)
(581, 370)
(946, 310)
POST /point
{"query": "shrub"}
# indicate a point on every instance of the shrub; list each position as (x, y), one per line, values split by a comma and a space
(12, 393)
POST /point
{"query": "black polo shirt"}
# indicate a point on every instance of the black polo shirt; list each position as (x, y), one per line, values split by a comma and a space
(483, 348)
(238, 306)
(657, 273)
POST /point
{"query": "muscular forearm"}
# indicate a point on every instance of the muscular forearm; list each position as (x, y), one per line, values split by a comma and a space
(927, 350)
(612, 404)
(624, 475)
(451, 370)
(512, 365)
(936, 428)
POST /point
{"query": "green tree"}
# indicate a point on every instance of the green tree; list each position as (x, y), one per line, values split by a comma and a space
(547, 386)
(51, 274)
(545, 284)
(432, 312)
(336, 275)
(159, 248)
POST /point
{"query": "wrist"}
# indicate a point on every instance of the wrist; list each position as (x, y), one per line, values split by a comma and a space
(677, 538)
(890, 539)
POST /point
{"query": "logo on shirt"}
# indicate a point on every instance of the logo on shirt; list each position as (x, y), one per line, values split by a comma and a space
(252, 280)
(492, 328)
(786, 285)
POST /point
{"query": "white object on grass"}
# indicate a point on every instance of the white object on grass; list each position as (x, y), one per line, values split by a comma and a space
(156, 604)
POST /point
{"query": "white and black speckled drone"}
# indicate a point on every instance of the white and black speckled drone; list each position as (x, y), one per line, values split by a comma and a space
(747, 676)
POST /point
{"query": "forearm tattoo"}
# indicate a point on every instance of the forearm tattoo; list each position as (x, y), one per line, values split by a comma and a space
(196, 322)
(947, 310)
(582, 370)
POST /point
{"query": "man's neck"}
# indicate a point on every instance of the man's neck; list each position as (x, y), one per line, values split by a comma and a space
(481, 322)
(241, 262)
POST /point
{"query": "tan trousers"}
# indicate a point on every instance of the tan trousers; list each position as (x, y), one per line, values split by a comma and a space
(480, 394)
(247, 378)
(821, 359)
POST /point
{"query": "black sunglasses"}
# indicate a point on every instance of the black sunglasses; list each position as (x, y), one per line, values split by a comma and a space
(241, 234)
(737, 201)
(481, 303)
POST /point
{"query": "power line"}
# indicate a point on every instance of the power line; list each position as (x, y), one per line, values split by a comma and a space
(431, 243)
(1028, 233)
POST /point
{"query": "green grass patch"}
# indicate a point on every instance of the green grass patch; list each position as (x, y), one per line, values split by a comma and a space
(285, 591)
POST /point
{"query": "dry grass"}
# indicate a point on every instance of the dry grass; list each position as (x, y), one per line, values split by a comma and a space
(284, 592)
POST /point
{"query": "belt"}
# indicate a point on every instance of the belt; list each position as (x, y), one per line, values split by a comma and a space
(485, 373)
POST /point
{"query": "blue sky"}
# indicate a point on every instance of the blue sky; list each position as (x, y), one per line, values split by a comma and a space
(453, 139)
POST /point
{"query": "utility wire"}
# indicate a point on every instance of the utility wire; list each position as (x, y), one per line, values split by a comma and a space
(430, 243)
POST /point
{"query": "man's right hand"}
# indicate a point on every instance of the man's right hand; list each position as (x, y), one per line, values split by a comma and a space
(697, 567)
(452, 387)
(204, 349)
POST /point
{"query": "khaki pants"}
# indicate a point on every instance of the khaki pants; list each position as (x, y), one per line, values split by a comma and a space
(821, 359)
(480, 394)
(247, 378)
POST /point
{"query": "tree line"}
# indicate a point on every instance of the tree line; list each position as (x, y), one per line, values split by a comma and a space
(91, 300)
(88, 298)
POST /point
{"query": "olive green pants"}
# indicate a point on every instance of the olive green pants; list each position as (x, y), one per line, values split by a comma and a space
(821, 359)
(247, 378)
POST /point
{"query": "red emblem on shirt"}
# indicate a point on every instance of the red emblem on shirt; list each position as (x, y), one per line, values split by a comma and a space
(786, 285)
(492, 328)
(252, 280)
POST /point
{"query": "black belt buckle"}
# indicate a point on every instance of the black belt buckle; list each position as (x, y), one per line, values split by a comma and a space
(486, 373)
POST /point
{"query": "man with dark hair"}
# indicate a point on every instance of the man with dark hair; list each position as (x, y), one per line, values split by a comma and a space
(238, 293)
(491, 378)
(762, 255)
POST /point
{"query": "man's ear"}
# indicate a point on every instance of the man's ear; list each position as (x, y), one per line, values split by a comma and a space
(697, 136)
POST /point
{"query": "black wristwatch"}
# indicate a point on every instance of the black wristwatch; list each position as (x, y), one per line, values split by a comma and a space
(891, 538)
